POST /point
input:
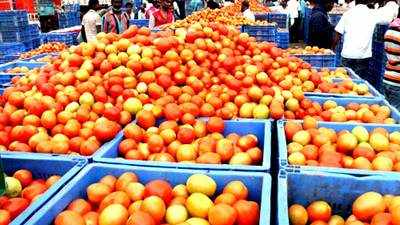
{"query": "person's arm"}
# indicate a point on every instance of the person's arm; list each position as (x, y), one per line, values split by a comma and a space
(336, 39)
(83, 33)
(339, 31)
(98, 23)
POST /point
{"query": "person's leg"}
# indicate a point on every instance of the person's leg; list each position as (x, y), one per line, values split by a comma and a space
(391, 93)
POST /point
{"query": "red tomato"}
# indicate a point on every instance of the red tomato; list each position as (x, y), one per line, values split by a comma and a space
(159, 188)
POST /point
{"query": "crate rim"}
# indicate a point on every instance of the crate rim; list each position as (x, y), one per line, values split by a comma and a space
(37, 205)
(265, 195)
(265, 166)
(283, 161)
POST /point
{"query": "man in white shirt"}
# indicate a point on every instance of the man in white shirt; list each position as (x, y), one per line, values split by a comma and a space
(357, 27)
(388, 12)
(247, 13)
(91, 22)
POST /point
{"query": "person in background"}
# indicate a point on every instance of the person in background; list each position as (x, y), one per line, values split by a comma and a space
(91, 22)
(212, 4)
(177, 12)
(247, 13)
(193, 6)
(181, 6)
(391, 79)
(294, 8)
(151, 7)
(357, 27)
(129, 10)
(141, 12)
(228, 2)
(162, 16)
(115, 21)
(388, 12)
(321, 31)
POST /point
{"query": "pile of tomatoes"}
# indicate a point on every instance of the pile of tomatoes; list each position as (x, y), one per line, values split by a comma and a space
(45, 48)
(369, 208)
(124, 200)
(21, 190)
(83, 99)
(195, 141)
(354, 149)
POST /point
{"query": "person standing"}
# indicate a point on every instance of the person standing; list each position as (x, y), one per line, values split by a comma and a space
(130, 10)
(247, 13)
(388, 12)
(91, 22)
(151, 7)
(321, 31)
(162, 16)
(391, 79)
(294, 8)
(212, 4)
(193, 6)
(357, 27)
(115, 21)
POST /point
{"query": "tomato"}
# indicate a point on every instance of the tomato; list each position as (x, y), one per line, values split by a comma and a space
(69, 217)
(248, 212)
(80, 206)
(319, 210)
(16, 206)
(140, 218)
(159, 188)
(33, 190)
(24, 176)
(5, 217)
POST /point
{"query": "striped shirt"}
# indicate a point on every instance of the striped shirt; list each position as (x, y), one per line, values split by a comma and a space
(113, 24)
(392, 48)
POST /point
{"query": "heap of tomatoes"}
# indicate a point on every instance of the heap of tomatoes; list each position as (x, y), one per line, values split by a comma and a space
(355, 148)
(124, 200)
(194, 141)
(21, 190)
(45, 48)
(369, 208)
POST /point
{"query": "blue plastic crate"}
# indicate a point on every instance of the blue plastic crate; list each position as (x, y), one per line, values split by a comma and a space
(260, 128)
(261, 16)
(9, 58)
(395, 114)
(15, 36)
(339, 190)
(1, 91)
(283, 38)
(260, 29)
(42, 167)
(371, 89)
(281, 19)
(282, 144)
(319, 60)
(139, 22)
(259, 185)
(30, 65)
(12, 47)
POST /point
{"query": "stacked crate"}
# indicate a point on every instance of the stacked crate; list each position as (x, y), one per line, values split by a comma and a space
(35, 35)
(283, 38)
(9, 51)
(14, 27)
(261, 32)
(70, 17)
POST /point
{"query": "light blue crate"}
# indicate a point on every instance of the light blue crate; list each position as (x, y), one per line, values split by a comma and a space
(371, 89)
(259, 185)
(260, 128)
(282, 143)
(339, 190)
(42, 167)
(10, 65)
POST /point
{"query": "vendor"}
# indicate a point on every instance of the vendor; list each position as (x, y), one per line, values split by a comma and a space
(194, 5)
(91, 22)
(357, 27)
(321, 31)
(115, 21)
(162, 16)
(247, 13)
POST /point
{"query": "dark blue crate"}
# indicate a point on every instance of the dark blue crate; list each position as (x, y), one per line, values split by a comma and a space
(319, 60)
(339, 190)
(12, 47)
(42, 167)
(260, 30)
(281, 19)
(282, 145)
(371, 89)
(15, 36)
(260, 128)
(261, 16)
(139, 22)
(1, 91)
(259, 185)
(30, 65)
